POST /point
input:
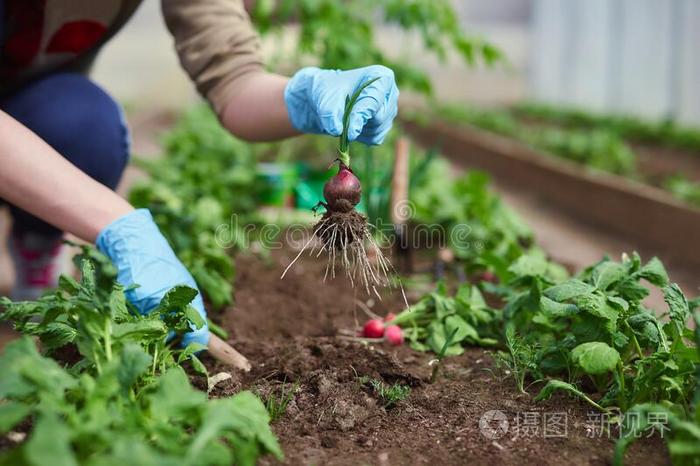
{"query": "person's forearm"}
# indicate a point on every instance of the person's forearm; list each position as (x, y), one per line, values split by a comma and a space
(257, 112)
(34, 177)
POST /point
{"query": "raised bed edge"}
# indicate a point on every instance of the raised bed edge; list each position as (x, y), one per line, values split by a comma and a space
(635, 210)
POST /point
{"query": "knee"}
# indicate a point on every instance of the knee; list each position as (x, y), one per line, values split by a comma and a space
(79, 120)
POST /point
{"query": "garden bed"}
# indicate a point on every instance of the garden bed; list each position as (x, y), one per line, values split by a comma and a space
(638, 211)
(657, 163)
(338, 399)
(290, 329)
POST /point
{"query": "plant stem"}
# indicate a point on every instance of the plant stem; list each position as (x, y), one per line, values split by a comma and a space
(155, 359)
(98, 366)
(434, 374)
(369, 162)
(637, 347)
(621, 375)
(344, 158)
(441, 355)
(593, 403)
(344, 147)
(108, 340)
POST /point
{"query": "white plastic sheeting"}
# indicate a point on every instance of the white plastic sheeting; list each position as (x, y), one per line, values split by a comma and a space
(637, 57)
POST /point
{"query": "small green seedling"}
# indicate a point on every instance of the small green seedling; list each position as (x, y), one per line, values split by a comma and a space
(441, 355)
(277, 403)
(390, 395)
(520, 360)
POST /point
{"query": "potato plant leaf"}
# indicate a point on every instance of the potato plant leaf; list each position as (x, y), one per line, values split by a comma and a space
(460, 329)
(49, 443)
(140, 330)
(568, 290)
(554, 385)
(654, 272)
(193, 316)
(126, 400)
(556, 309)
(677, 306)
(529, 265)
(133, 363)
(178, 297)
(607, 273)
(597, 305)
(11, 413)
(595, 357)
(117, 304)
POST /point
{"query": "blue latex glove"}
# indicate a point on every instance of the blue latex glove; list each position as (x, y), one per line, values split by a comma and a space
(315, 100)
(143, 256)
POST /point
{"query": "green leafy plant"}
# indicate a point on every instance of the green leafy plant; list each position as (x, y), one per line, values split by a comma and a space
(590, 336)
(390, 395)
(106, 418)
(684, 189)
(462, 213)
(101, 324)
(202, 194)
(437, 362)
(439, 318)
(341, 34)
(665, 132)
(680, 429)
(559, 385)
(598, 147)
(520, 360)
(597, 141)
(277, 402)
(124, 398)
(595, 327)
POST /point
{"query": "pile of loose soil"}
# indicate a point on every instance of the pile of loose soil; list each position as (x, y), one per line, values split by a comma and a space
(290, 330)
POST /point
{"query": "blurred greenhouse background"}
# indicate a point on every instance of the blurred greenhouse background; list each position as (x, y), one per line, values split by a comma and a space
(629, 56)
(140, 67)
(609, 56)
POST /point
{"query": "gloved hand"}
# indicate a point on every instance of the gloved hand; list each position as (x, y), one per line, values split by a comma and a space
(315, 100)
(143, 256)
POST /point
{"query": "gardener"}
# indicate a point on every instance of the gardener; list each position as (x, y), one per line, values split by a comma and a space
(64, 143)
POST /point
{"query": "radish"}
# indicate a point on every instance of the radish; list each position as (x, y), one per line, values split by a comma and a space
(373, 328)
(488, 276)
(389, 317)
(394, 335)
(343, 191)
(342, 230)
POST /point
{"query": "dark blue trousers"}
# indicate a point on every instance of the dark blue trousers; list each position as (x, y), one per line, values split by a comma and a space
(80, 121)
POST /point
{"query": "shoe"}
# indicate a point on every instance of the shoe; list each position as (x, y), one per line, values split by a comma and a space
(37, 260)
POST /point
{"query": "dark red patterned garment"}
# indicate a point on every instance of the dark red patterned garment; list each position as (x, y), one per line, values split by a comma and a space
(39, 36)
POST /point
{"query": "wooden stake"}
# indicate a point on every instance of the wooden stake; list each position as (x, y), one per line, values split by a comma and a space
(400, 208)
(225, 353)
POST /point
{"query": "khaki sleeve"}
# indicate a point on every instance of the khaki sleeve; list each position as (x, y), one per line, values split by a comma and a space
(216, 43)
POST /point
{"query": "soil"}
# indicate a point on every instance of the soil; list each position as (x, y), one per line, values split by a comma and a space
(296, 333)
